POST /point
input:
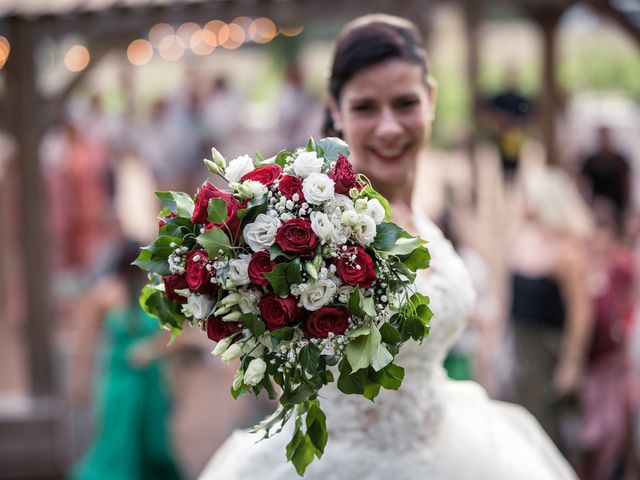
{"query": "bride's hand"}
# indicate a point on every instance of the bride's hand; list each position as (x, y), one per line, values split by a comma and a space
(566, 378)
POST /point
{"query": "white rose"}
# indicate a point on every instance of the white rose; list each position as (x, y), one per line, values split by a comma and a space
(307, 163)
(249, 302)
(257, 189)
(343, 203)
(365, 231)
(261, 234)
(375, 210)
(344, 293)
(238, 270)
(199, 305)
(350, 218)
(317, 188)
(222, 346)
(318, 295)
(237, 168)
(321, 226)
(233, 352)
(255, 372)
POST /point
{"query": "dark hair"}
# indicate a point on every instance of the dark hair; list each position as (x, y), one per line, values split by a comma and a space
(368, 41)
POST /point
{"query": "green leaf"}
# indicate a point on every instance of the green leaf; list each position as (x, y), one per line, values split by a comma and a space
(217, 211)
(283, 334)
(332, 147)
(169, 314)
(358, 332)
(355, 303)
(369, 307)
(371, 391)
(310, 358)
(413, 327)
(275, 251)
(311, 145)
(281, 158)
(351, 382)
(317, 428)
(213, 241)
(390, 334)
(303, 455)
(360, 351)
(283, 275)
(381, 358)
(177, 202)
(390, 377)
(253, 323)
(152, 263)
(387, 235)
(418, 259)
(405, 245)
(298, 395)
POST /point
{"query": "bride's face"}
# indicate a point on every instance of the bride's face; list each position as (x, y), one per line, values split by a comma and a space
(385, 113)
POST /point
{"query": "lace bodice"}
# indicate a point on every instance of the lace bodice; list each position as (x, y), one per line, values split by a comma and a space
(354, 419)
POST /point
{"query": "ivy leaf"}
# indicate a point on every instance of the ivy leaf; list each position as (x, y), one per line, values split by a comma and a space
(147, 261)
(301, 454)
(418, 259)
(253, 323)
(317, 428)
(369, 307)
(371, 391)
(298, 395)
(283, 275)
(387, 234)
(275, 251)
(332, 147)
(381, 358)
(390, 377)
(310, 358)
(361, 350)
(177, 202)
(213, 241)
(405, 245)
(217, 211)
(281, 158)
(169, 314)
(283, 334)
(354, 303)
(390, 334)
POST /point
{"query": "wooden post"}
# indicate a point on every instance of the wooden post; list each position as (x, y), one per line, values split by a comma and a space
(473, 15)
(547, 20)
(27, 131)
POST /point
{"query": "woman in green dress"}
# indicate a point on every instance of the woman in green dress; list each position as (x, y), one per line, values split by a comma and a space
(132, 439)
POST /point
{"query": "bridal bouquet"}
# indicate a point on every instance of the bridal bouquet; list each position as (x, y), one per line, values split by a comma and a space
(295, 269)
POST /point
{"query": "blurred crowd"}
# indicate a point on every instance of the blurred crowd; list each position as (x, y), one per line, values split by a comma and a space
(561, 338)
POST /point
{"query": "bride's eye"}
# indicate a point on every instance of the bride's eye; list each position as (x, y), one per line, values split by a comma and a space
(363, 107)
(407, 103)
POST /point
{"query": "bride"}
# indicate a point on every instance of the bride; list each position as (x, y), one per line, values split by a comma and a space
(381, 103)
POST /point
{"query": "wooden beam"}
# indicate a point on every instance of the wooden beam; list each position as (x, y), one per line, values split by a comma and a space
(27, 131)
(604, 7)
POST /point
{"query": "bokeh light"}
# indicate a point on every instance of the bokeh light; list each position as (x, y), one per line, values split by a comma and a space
(77, 58)
(291, 31)
(235, 37)
(158, 32)
(171, 48)
(186, 31)
(5, 48)
(203, 42)
(139, 52)
(216, 27)
(262, 30)
(244, 22)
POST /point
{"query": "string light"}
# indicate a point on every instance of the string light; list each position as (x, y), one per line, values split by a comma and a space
(262, 30)
(235, 37)
(139, 52)
(77, 58)
(5, 48)
(291, 31)
(158, 32)
(171, 48)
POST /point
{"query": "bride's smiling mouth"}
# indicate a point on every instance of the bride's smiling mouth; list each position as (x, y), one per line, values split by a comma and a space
(390, 155)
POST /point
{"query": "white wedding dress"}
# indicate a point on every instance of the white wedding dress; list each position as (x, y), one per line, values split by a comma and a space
(432, 428)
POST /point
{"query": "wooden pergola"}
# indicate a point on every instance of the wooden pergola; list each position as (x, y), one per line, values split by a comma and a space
(33, 445)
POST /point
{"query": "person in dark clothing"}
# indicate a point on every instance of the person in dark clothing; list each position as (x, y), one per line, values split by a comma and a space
(606, 174)
(510, 110)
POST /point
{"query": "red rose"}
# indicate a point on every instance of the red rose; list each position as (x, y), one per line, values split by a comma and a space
(289, 185)
(355, 267)
(296, 236)
(277, 311)
(327, 320)
(172, 283)
(205, 194)
(265, 175)
(197, 274)
(217, 329)
(260, 264)
(343, 175)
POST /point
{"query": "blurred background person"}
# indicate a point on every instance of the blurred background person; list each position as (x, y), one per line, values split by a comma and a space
(606, 175)
(132, 440)
(510, 111)
(550, 314)
(606, 393)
